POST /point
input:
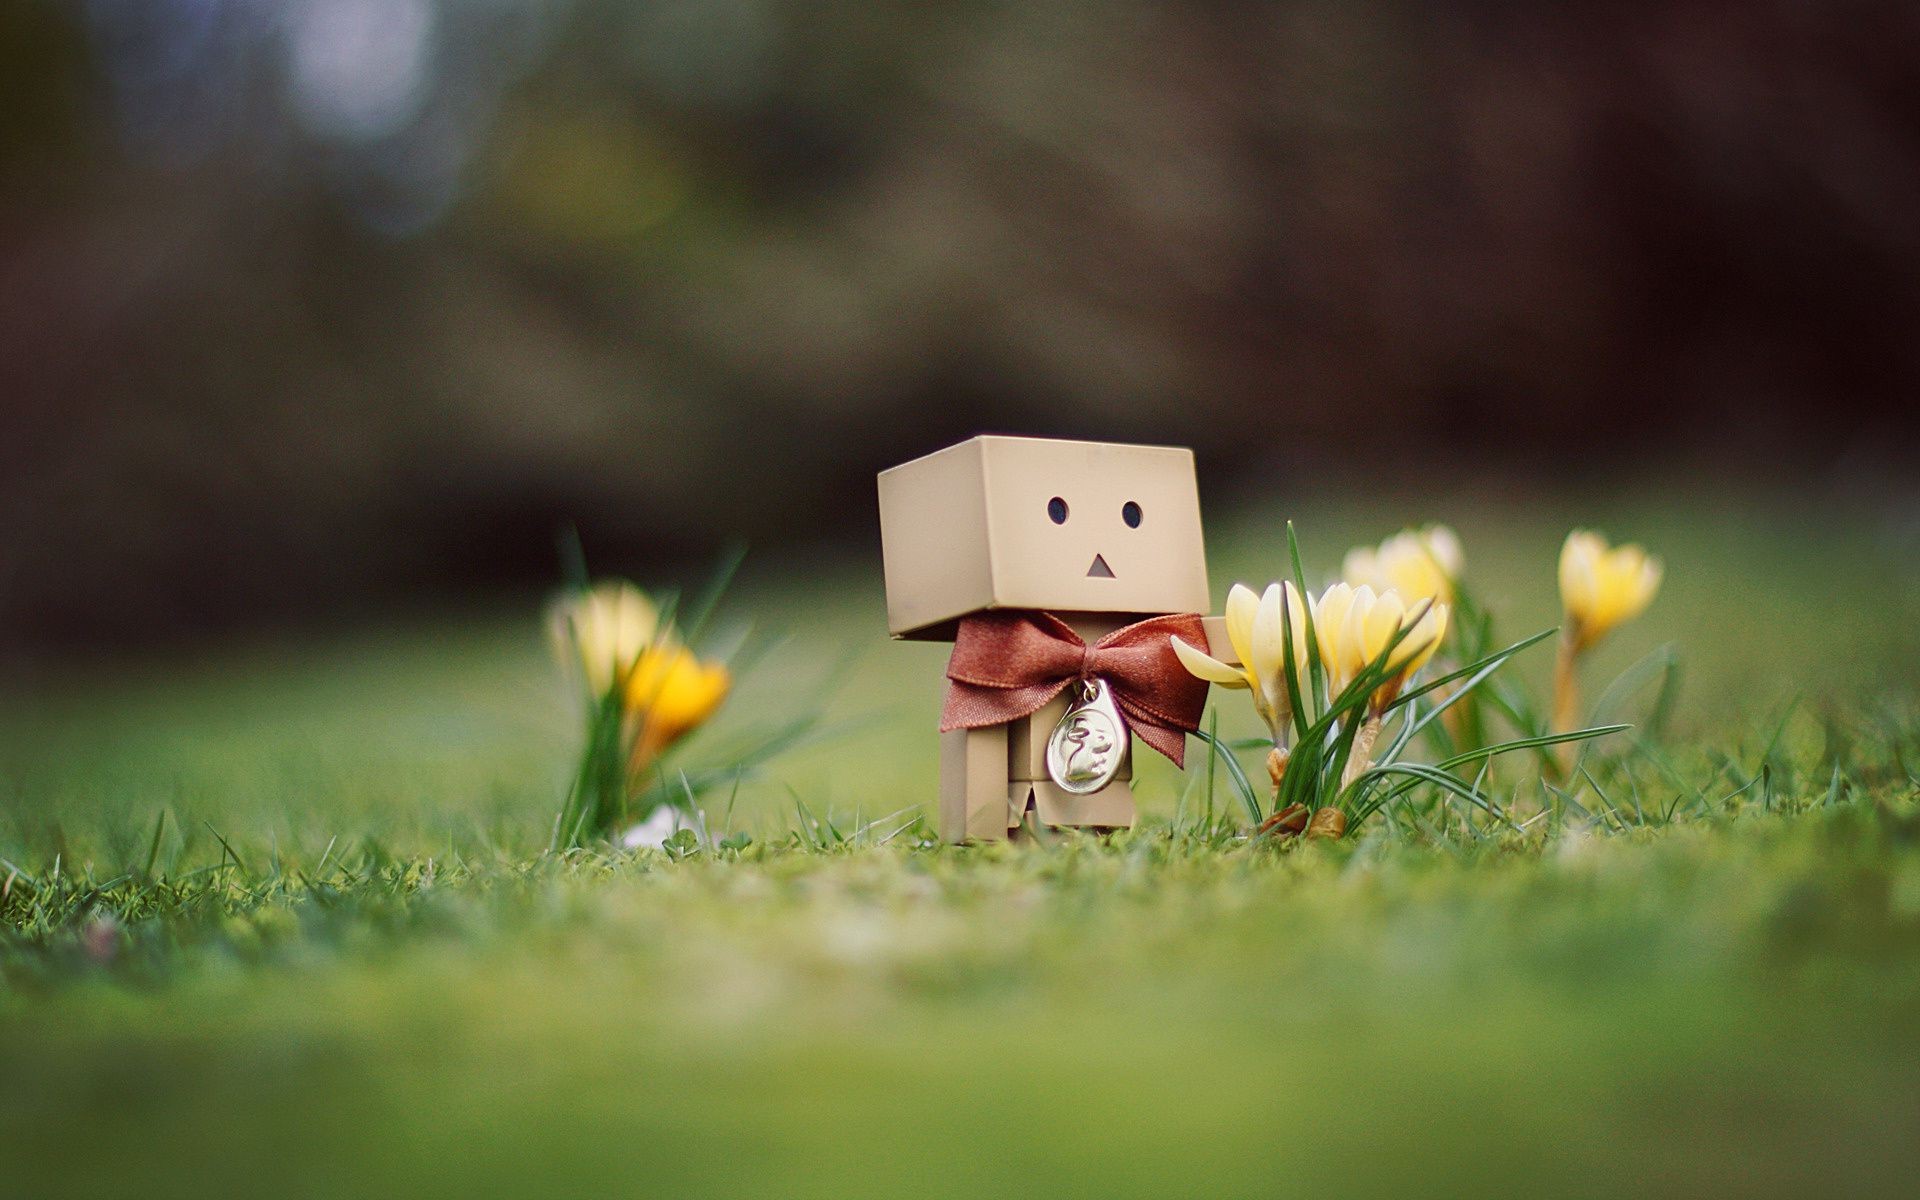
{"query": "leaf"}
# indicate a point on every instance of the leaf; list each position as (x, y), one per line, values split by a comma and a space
(153, 849)
(225, 845)
(1528, 743)
(573, 558)
(1493, 663)
(1213, 755)
(1483, 753)
(702, 609)
(1514, 705)
(1637, 675)
(1240, 783)
(1290, 668)
(1425, 774)
(1481, 669)
(1316, 671)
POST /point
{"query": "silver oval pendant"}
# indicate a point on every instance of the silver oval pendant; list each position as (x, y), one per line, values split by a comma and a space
(1089, 745)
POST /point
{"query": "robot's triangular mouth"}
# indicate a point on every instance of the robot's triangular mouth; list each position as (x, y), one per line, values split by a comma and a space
(1099, 569)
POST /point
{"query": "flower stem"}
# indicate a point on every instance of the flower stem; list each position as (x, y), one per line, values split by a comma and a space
(1362, 756)
(1566, 694)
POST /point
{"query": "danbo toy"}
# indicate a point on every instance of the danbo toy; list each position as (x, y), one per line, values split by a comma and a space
(1059, 570)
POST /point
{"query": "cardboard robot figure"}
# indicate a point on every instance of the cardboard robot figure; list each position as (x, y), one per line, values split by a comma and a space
(1059, 570)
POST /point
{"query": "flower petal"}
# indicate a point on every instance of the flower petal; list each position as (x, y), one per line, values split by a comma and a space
(1442, 545)
(1268, 638)
(1578, 585)
(1202, 665)
(605, 630)
(1383, 620)
(1330, 612)
(1297, 622)
(1425, 638)
(1242, 603)
(1361, 565)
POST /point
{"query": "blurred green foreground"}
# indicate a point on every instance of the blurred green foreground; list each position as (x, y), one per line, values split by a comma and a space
(358, 972)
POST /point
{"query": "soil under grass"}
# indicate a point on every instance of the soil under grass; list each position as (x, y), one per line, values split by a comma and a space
(283, 921)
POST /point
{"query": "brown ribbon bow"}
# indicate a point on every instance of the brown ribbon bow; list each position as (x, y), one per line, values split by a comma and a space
(1006, 665)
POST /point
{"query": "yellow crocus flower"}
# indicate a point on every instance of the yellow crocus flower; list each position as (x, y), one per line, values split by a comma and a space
(1418, 563)
(1355, 624)
(670, 692)
(1258, 633)
(603, 631)
(1602, 586)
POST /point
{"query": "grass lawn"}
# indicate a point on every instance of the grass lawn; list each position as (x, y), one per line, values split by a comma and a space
(346, 964)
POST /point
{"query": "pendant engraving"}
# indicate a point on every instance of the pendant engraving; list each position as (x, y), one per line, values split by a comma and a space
(1089, 745)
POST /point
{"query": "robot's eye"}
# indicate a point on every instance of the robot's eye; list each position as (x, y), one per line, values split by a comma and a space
(1130, 513)
(1057, 510)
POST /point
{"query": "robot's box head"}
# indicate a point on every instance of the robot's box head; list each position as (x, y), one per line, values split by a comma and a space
(1069, 527)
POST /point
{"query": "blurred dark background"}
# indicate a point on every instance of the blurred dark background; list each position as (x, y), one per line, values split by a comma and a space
(311, 304)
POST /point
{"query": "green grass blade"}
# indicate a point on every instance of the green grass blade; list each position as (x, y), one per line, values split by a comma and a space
(1438, 778)
(153, 847)
(1528, 743)
(1239, 777)
(1213, 755)
(573, 558)
(1480, 669)
(1290, 668)
(1637, 675)
(228, 847)
(1316, 671)
(700, 613)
